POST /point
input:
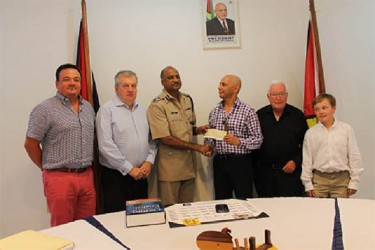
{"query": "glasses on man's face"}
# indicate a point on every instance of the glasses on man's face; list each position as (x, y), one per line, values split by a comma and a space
(275, 95)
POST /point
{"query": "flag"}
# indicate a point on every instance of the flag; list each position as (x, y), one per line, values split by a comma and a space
(314, 75)
(311, 79)
(210, 10)
(88, 86)
(89, 93)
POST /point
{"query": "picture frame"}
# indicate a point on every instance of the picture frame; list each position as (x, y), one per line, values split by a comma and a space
(216, 33)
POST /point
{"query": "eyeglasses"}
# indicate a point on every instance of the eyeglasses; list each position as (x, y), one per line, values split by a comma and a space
(282, 95)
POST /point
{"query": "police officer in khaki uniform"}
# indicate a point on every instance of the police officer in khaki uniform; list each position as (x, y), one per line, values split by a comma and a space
(172, 122)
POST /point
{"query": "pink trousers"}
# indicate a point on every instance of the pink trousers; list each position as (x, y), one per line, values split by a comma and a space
(70, 196)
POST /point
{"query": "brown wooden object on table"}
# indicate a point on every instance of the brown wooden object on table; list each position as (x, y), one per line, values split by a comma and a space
(211, 240)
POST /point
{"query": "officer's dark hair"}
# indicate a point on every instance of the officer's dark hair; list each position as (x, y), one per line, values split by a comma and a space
(166, 68)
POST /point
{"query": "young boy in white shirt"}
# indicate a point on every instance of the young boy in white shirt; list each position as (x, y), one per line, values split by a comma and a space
(331, 159)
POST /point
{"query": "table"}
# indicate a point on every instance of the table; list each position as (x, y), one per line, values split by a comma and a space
(295, 223)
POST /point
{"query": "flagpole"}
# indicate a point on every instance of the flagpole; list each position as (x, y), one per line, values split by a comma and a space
(322, 88)
(87, 53)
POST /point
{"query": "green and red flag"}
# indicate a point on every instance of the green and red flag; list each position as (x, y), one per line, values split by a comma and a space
(314, 75)
(210, 10)
(311, 79)
(88, 86)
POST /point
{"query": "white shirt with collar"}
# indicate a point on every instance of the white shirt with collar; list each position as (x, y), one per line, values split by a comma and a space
(331, 150)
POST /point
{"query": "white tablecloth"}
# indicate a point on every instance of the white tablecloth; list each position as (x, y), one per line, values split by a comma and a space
(295, 224)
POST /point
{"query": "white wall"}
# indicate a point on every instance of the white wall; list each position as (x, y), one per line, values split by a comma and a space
(145, 36)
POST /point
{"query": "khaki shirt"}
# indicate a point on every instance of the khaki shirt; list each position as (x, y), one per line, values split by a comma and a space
(169, 117)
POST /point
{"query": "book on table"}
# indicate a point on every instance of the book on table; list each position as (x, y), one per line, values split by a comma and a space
(144, 212)
(35, 240)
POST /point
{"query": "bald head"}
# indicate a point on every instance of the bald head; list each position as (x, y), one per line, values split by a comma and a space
(229, 87)
(234, 80)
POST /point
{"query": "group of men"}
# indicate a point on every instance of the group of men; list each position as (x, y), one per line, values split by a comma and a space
(264, 146)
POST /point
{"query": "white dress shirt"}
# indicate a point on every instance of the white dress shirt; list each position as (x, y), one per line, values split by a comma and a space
(331, 150)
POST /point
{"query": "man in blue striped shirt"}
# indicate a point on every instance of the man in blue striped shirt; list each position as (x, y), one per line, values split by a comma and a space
(232, 161)
(126, 150)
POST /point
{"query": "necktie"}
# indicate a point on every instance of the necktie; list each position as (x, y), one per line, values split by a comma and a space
(226, 31)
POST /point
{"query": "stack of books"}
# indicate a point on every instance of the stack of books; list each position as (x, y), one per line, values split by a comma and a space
(144, 212)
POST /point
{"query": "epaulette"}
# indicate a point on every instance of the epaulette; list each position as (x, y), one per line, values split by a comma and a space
(161, 97)
(191, 99)
(187, 95)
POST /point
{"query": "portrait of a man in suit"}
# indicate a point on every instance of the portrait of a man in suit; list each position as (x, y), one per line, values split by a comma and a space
(220, 25)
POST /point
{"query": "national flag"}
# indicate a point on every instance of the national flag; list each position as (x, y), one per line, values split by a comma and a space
(89, 93)
(311, 78)
(314, 75)
(88, 86)
(210, 10)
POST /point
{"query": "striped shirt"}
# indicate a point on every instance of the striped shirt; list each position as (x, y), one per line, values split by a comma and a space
(66, 136)
(124, 136)
(242, 122)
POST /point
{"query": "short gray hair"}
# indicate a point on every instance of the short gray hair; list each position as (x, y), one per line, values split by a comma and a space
(277, 82)
(126, 73)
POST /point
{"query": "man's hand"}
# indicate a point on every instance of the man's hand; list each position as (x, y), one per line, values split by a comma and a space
(208, 153)
(204, 149)
(202, 129)
(289, 167)
(136, 173)
(145, 169)
(232, 140)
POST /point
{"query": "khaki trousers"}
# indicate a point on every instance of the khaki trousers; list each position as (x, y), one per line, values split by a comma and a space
(172, 192)
(333, 185)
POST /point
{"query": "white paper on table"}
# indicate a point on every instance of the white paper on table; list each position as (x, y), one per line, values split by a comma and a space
(205, 211)
(215, 134)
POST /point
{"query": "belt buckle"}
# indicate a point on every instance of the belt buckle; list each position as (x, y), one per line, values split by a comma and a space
(224, 156)
(75, 170)
(72, 170)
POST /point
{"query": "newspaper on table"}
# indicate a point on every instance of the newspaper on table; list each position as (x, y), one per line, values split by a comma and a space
(191, 214)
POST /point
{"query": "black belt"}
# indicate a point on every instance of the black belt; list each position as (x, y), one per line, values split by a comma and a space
(277, 165)
(70, 170)
(231, 156)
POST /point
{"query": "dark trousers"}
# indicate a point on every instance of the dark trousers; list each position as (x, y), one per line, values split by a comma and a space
(117, 189)
(271, 181)
(233, 173)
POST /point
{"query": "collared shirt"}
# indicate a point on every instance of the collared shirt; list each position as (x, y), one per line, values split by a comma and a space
(331, 150)
(283, 138)
(242, 122)
(171, 117)
(66, 136)
(123, 136)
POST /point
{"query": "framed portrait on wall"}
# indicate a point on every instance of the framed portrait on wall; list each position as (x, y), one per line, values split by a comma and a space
(220, 24)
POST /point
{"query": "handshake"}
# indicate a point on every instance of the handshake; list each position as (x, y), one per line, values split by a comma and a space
(205, 149)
